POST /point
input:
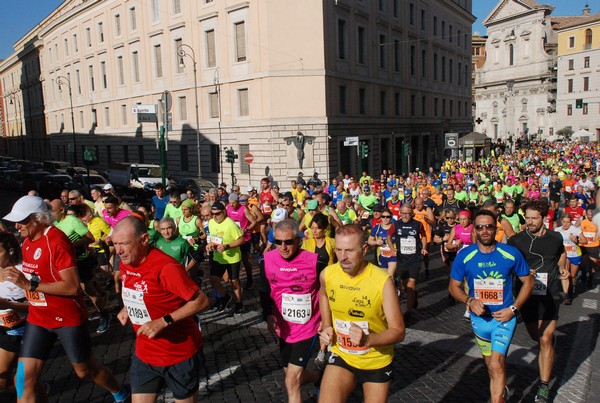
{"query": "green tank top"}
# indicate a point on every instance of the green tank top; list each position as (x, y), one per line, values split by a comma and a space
(189, 229)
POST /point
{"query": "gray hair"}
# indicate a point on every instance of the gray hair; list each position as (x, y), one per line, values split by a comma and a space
(288, 225)
(167, 220)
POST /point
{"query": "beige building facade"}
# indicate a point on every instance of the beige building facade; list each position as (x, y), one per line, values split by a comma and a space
(283, 80)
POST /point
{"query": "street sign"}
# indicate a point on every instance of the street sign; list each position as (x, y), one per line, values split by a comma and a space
(143, 109)
(147, 117)
(248, 158)
(351, 141)
(451, 140)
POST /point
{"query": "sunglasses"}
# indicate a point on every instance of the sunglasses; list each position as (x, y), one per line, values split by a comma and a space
(386, 216)
(72, 198)
(288, 242)
(489, 227)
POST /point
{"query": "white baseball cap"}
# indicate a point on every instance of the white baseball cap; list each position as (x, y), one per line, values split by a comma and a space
(250, 188)
(26, 206)
(279, 214)
(108, 186)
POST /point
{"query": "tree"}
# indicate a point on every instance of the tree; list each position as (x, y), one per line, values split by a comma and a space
(565, 133)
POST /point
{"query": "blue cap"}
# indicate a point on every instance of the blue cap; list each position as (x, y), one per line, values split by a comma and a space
(366, 189)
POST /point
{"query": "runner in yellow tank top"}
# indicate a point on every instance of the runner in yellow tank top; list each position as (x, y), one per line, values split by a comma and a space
(361, 320)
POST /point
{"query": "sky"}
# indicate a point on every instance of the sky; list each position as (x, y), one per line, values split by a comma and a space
(19, 16)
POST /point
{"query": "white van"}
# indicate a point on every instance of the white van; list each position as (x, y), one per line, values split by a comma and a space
(134, 175)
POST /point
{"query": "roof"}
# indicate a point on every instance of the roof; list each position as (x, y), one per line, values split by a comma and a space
(475, 137)
(570, 22)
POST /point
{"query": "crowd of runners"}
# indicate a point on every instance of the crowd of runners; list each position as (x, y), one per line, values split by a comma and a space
(339, 265)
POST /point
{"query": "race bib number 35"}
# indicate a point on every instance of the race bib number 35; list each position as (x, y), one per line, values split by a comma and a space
(342, 329)
(136, 308)
(296, 308)
(489, 291)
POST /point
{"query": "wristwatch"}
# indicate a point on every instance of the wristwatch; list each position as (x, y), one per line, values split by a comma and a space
(168, 320)
(34, 282)
(514, 309)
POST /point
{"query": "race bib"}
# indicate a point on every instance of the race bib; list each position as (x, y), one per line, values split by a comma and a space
(570, 248)
(136, 308)
(10, 318)
(408, 246)
(365, 215)
(36, 298)
(490, 291)
(216, 240)
(590, 236)
(342, 330)
(296, 308)
(568, 189)
(266, 208)
(385, 250)
(540, 284)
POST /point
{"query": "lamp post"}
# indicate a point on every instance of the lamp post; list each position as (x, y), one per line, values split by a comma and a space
(218, 91)
(13, 97)
(182, 52)
(62, 80)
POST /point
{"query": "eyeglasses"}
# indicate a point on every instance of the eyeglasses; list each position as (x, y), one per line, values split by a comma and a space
(386, 216)
(489, 227)
(288, 242)
(449, 217)
(72, 198)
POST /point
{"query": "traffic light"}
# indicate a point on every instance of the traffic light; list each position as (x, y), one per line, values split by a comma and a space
(230, 155)
(364, 150)
(406, 148)
(578, 103)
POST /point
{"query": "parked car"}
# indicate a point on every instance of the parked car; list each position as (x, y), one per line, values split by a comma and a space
(32, 180)
(198, 185)
(9, 176)
(53, 185)
(80, 183)
(17, 164)
(56, 167)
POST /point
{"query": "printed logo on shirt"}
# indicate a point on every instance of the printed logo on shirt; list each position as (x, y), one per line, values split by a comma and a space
(143, 287)
(37, 254)
(362, 302)
(356, 313)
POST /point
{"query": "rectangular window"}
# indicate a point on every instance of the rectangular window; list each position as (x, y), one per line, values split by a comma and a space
(443, 69)
(183, 157)
(361, 45)
(397, 55)
(423, 106)
(125, 153)
(179, 61)
(132, 19)
(586, 83)
(569, 110)
(106, 116)
(103, 75)
(66, 47)
(434, 26)
(182, 106)
(211, 55)
(450, 33)
(88, 37)
(100, 33)
(81, 122)
(586, 62)
(117, 25)
(244, 166)
(571, 64)
(240, 41)
(243, 102)
(382, 102)
(436, 106)
(140, 150)
(435, 66)
(341, 37)
(413, 105)
(381, 5)
(570, 85)
(413, 61)
(450, 70)
(91, 74)
(396, 8)
(382, 51)
(397, 103)
(75, 45)
(176, 6)
(120, 70)
(124, 115)
(423, 63)
(214, 105)
(109, 153)
(215, 158)
(585, 108)
(423, 20)
(459, 73)
(443, 108)
(411, 15)
(458, 37)
(451, 108)
(362, 101)
(571, 41)
(158, 71)
(155, 11)
(443, 29)
(459, 109)
(78, 82)
(135, 61)
(342, 95)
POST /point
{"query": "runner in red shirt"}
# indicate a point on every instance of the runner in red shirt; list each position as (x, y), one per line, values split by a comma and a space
(267, 199)
(160, 300)
(57, 308)
(575, 211)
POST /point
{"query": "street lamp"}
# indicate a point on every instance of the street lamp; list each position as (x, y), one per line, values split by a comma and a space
(13, 97)
(218, 91)
(181, 51)
(62, 80)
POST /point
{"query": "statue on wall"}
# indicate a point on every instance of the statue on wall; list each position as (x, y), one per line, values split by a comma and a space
(299, 140)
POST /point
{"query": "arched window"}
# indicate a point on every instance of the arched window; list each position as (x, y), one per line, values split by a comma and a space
(511, 55)
(588, 37)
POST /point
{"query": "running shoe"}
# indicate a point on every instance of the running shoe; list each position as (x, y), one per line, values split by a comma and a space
(104, 322)
(225, 303)
(239, 308)
(542, 394)
(320, 361)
